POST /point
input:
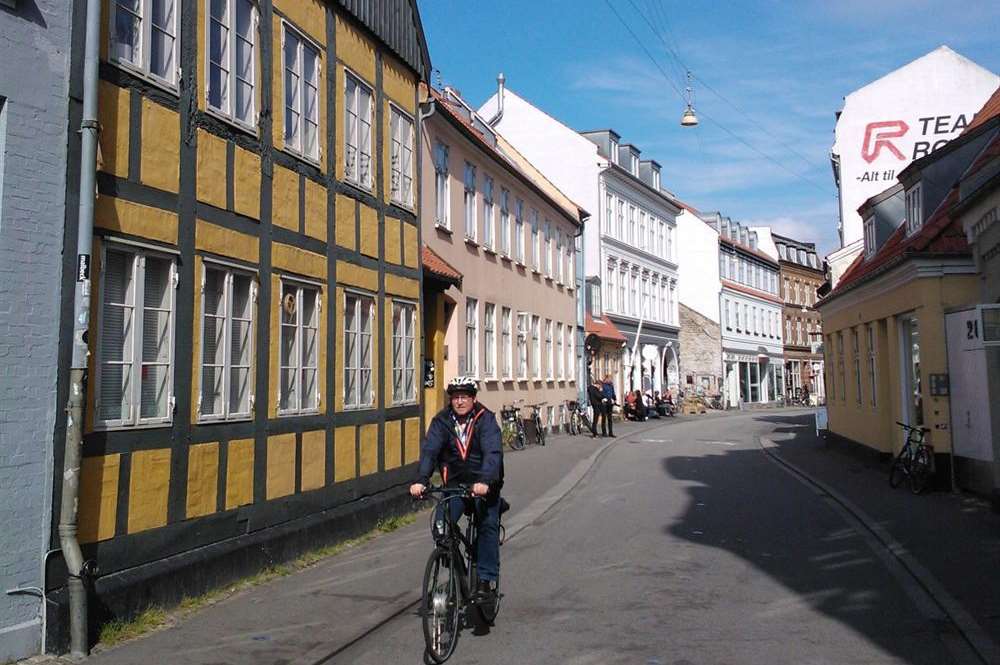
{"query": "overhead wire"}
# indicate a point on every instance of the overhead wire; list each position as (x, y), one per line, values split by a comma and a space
(715, 122)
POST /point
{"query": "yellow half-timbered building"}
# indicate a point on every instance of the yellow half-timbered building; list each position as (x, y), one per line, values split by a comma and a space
(255, 364)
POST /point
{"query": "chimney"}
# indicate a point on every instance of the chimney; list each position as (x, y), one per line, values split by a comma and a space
(500, 93)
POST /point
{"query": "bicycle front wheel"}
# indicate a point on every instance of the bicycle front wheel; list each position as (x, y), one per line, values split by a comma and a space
(540, 433)
(440, 606)
(897, 472)
(920, 470)
(518, 441)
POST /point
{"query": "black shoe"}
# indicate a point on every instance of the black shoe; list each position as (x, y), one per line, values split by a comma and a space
(486, 588)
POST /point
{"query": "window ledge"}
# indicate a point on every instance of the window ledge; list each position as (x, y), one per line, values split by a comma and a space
(126, 66)
(489, 250)
(316, 163)
(251, 130)
(369, 190)
(442, 228)
(124, 428)
(471, 241)
(520, 265)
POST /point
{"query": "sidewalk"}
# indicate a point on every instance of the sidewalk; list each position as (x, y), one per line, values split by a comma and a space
(309, 615)
(955, 537)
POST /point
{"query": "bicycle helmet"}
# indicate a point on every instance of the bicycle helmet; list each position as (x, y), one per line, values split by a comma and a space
(463, 384)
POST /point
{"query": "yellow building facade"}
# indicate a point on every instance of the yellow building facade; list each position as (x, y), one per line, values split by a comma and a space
(255, 354)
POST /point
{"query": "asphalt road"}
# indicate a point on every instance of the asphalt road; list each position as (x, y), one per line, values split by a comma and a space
(687, 545)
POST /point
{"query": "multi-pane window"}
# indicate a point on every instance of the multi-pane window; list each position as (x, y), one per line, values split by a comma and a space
(359, 313)
(727, 310)
(504, 222)
(470, 201)
(523, 319)
(549, 350)
(608, 211)
(855, 348)
(302, 97)
(441, 210)
(401, 171)
(231, 59)
(642, 231)
(489, 341)
(472, 336)
(622, 284)
(404, 363)
(135, 349)
(609, 289)
(872, 377)
(506, 351)
(519, 231)
(358, 113)
(736, 312)
(914, 210)
(869, 237)
(558, 256)
(534, 240)
(631, 225)
(652, 234)
(298, 368)
(145, 37)
(536, 346)
(560, 369)
(488, 230)
(228, 298)
(840, 365)
(621, 220)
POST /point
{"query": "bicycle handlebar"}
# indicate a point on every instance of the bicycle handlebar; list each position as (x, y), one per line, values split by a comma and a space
(914, 429)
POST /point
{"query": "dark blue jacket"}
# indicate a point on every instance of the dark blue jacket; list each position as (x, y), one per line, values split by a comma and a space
(482, 461)
(609, 391)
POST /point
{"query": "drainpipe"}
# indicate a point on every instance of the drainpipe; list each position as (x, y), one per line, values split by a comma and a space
(500, 92)
(81, 323)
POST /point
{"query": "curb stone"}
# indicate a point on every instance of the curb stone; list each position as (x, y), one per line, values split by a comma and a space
(973, 634)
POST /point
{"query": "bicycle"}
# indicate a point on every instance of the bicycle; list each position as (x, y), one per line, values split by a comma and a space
(578, 420)
(914, 461)
(512, 427)
(450, 578)
(536, 419)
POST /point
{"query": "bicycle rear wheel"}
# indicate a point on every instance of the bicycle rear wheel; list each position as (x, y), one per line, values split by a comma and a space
(920, 470)
(897, 472)
(440, 606)
(519, 440)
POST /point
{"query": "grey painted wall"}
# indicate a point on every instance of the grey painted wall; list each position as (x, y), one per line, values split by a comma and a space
(34, 39)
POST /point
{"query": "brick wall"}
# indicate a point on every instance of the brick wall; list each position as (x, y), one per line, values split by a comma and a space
(34, 41)
(701, 344)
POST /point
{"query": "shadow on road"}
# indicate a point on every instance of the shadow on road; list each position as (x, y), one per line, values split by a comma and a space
(744, 504)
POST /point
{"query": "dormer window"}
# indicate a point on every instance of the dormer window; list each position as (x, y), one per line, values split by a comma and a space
(656, 179)
(914, 210)
(869, 237)
(614, 150)
(634, 164)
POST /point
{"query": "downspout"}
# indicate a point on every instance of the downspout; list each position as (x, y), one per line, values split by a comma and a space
(81, 323)
(581, 282)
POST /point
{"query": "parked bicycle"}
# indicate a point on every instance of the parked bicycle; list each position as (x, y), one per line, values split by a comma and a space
(448, 597)
(512, 432)
(536, 418)
(579, 422)
(915, 461)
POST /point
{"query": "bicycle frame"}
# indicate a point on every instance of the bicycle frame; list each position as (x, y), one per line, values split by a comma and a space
(461, 546)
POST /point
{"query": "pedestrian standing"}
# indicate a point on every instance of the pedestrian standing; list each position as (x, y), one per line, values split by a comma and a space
(595, 394)
(608, 390)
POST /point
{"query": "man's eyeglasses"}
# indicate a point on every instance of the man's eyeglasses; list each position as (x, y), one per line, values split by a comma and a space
(461, 396)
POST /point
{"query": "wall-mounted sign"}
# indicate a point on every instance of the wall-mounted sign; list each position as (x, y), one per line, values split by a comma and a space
(939, 385)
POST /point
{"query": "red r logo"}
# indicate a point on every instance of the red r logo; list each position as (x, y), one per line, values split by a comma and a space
(877, 135)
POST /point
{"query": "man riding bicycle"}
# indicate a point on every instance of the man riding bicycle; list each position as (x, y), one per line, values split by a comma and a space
(463, 441)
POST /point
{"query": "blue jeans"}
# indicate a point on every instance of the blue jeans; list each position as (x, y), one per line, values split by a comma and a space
(487, 516)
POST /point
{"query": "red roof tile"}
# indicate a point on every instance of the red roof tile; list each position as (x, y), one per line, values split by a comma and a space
(940, 234)
(603, 328)
(990, 110)
(438, 267)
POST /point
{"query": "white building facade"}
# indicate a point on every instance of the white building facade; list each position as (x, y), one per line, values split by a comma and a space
(699, 292)
(629, 242)
(885, 125)
(751, 313)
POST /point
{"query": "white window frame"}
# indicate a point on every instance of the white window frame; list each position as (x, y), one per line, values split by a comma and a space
(227, 338)
(472, 337)
(608, 212)
(134, 420)
(560, 358)
(523, 330)
(300, 286)
(228, 111)
(536, 346)
(519, 230)
(506, 346)
(442, 186)
(360, 298)
(409, 308)
(914, 209)
(489, 340)
(550, 349)
(469, 199)
(142, 68)
(504, 245)
(402, 157)
(872, 364)
(356, 173)
(535, 247)
(489, 212)
(297, 147)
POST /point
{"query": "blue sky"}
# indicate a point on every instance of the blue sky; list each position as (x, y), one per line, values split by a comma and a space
(781, 70)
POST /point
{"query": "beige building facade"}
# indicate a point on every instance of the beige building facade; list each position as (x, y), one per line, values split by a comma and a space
(512, 235)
